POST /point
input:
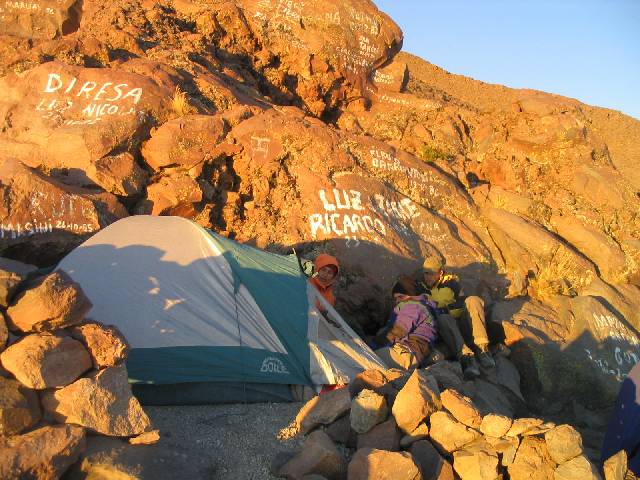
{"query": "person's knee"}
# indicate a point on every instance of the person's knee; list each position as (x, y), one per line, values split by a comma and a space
(474, 302)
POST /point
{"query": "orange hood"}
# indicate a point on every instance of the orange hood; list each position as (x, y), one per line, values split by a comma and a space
(324, 260)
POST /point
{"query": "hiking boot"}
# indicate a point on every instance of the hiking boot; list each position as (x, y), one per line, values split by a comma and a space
(485, 358)
(501, 350)
(470, 367)
(434, 357)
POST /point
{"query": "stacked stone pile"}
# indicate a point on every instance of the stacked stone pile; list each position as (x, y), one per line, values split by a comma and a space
(430, 424)
(62, 376)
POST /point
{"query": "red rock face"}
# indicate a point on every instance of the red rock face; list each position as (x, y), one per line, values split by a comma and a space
(42, 211)
(65, 118)
(39, 18)
(352, 36)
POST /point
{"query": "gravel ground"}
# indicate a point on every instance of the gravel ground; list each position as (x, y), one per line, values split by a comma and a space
(236, 441)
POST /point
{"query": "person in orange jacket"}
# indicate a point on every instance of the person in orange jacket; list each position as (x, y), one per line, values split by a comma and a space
(327, 270)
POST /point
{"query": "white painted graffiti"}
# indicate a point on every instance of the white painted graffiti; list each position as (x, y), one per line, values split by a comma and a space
(28, 6)
(385, 161)
(350, 216)
(104, 99)
(289, 11)
(607, 326)
(403, 210)
(381, 77)
(48, 212)
(360, 21)
(60, 204)
(407, 102)
(352, 60)
(16, 230)
(285, 15)
(367, 49)
(342, 200)
(108, 91)
(333, 17)
(260, 146)
(604, 367)
(340, 217)
(625, 357)
(626, 353)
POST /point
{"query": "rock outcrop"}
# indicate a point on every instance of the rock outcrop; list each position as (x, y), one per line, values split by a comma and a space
(101, 402)
(60, 382)
(54, 302)
(487, 446)
(44, 453)
(42, 361)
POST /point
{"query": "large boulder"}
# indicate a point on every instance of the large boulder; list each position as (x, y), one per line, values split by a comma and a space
(461, 407)
(370, 463)
(318, 456)
(64, 118)
(323, 42)
(418, 399)
(563, 443)
(448, 434)
(478, 461)
(42, 361)
(367, 410)
(532, 461)
(384, 436)
(392, 77)
(495, 425)
(173, 194)
(545, 250)
(578, 468)
(119, 174)
(19, 407)
(595, 245)
(186, 141)
(45, 218)
(580, 347)
(432, 465)
(42, 19)
(323, 409)
(105, 344)
(12, 273)
(44, 454)
(55, 301)
(101, 402)
(374, 208)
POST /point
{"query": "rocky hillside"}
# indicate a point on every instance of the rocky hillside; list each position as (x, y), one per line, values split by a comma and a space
(298, 124)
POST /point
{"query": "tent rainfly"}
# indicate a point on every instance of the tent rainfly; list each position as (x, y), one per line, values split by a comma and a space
(210, 320)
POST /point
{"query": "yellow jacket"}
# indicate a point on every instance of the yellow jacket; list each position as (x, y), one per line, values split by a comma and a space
(446, 293)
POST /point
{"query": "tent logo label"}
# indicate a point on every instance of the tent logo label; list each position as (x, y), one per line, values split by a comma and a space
(273, 365)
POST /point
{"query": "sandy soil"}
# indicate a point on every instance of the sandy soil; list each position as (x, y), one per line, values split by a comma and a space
(198, 442)
(240, 440)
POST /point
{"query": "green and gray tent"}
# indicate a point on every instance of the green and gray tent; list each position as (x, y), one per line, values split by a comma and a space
(208, 319)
